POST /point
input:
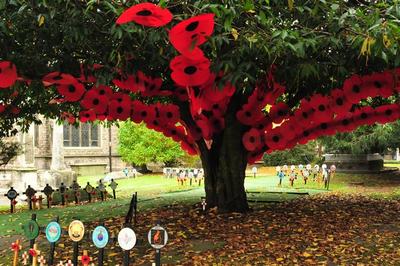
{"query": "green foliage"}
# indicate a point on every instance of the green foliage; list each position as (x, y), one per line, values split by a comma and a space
(366, 139)
(8, 151)
(140, 146)
(301, 154)
(314, 44)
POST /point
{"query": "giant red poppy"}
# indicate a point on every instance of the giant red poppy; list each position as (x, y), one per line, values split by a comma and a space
(344, 123)
(58, 78)
(305, 136)
(155, 124)
(264, 124)
(354, 90)
(275, 139)
(325, 129)
(68, 117)
(142, 112)
(252, 140)
(8, 74)
(169, 113)
(279, 112)
(387, 113)
(103, 90)
(206, 130)
(177, 133)
(187, 35)
(304, 113)
(86, 116)
(379, 84)
(190, 148)
(338, 102)
(146, 14)
(248, 116)
(186, 72)
(127, 82)
(322, 111)
(121, 97)
(93, 100)
(72, 92)
(119, 110)
(364, 116)
(217, 124)
(180, 93)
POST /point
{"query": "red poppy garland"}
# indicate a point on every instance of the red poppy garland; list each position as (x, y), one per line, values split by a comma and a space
(252, 140)
(187, 35)
(72, 92)
(58, 78)
(93, 100)
(8, 74)
(187, 72)
(146, 14)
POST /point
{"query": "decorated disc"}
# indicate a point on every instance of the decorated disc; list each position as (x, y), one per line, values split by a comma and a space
(100, 236)
(126, 238)
(76, 230)
(53, 232)
(157, 237)
(12, 194)
(31, 230)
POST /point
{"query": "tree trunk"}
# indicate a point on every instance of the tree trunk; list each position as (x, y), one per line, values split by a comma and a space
(224, 167)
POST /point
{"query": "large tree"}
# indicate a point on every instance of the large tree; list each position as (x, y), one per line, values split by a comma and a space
(229, 80)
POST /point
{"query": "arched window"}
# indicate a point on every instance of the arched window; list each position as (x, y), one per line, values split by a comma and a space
(84, 135)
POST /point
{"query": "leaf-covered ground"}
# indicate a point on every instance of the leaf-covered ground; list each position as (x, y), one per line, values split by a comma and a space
(333, 229)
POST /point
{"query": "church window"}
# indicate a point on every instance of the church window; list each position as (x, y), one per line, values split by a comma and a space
(84, 135)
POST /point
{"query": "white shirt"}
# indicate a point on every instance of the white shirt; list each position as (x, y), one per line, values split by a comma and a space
(254, 170)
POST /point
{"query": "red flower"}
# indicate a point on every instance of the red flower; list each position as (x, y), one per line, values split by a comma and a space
(364, 116)
(339, 103)
(379, 84)
(128, 83)
(180, 93)
(58, 78)
(275, 139)
(169, 113)
(33, 252)
(322, 112)
(387, 113)
(263, 125)
(15, 247)
(176, 133)
(353, 89)
(8, 74)
(252, 140)
(325, 129)
(72, 92)
(146, 14)
(142, 112)
(344, 123)
(217, 124)
(119, 109)
(305, 136)
(304, 113)
(68, 116)
(85, 259)
(248, 116)
(253, 157)
(206, 130)
(190, 148)
(93, 100)
(85, 116)
(279, 112)
(103, 90)
(187, 35)
(2, 107)
(186, 72)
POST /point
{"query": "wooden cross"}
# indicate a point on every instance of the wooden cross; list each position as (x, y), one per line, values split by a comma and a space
(25, 258)
(85, 259)
(61, 263)
(42, 261)
(34, 252)
(16, 247)
(69, 263)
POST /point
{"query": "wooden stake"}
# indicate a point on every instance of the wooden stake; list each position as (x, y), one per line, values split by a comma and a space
(34, 252)
(85, 259)
(16, 247)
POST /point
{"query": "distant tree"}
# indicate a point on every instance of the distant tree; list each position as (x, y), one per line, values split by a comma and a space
(8, 151)
(140, 146)
(300, 154)
(366, 139)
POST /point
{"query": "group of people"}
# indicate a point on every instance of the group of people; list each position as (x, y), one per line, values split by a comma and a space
(316, 173)
(183, 175)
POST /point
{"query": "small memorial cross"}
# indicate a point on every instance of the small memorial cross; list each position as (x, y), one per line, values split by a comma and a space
(61, 263)
(25, 258)
(34, 252)
(85, 259)
(76, 187)
(16, 247)
(48, 191)
(42, 261)
(102, 190)
(12, 195)
(203, 204)
(113, 185)
(89, 190)
(31, 231)
(63, 193)
(30, 193)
